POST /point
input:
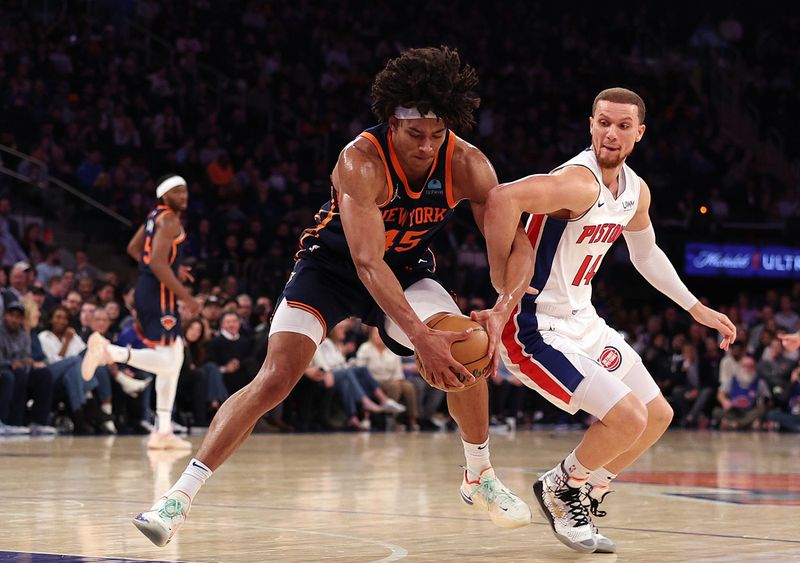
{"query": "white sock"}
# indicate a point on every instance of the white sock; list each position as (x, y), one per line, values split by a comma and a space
(577, 472)
(163, 420)
(166, 389)
(193, 477)
(120, 354)
(600, 480)
(477, 458)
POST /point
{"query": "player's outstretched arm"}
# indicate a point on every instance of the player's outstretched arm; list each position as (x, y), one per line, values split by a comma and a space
(361, 183)
(573, 189)
(656, 268)
(476, 174)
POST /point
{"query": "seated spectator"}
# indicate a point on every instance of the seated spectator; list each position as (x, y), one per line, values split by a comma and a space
(691, 394)
(85, 319)
(743, 399)
(429, 399)
(786, 414)
(62, 349)
(136, 383)
(776, 365)
(29, 379)
(200, 379)
(354, 386)
(113, 310)
(17, 283)
(387, 369)
(308, 406)
(212, 312)
(230, 350)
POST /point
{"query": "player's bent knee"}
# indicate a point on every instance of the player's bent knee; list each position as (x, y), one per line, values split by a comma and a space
(273, 385)
(628, 417)
(659, 414)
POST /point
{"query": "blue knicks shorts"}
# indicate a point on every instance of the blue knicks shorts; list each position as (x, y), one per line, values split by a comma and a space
(156, 311)
(330, 290)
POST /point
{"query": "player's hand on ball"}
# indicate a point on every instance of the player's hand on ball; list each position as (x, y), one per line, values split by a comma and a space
(438, 367)
(493, 322)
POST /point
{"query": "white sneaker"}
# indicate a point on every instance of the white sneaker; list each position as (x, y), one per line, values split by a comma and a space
(169, 441)
(563, 507)
(42, 429)
(162, 521)
(595, 496)
(16, 430)
(96, 355)
(178, 428)
(131, 385)
(486, 492)
(393, 407)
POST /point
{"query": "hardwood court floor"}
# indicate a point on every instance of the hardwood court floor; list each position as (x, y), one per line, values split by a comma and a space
(388, 497)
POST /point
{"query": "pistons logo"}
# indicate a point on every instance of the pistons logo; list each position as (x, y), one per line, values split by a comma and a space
(610, 358)
(168, 322)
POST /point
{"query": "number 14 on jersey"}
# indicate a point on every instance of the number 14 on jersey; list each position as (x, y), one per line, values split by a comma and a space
(587, 270)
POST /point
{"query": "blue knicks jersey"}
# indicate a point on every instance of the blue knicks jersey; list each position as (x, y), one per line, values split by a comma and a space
(150, 228)
(410, 218)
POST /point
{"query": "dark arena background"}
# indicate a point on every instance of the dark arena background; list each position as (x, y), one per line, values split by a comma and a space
(251, 103)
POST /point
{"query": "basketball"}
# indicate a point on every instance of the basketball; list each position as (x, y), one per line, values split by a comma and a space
(472, 353)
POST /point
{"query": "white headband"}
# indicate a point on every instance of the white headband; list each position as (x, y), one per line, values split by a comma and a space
(401, 112)
(168, 184)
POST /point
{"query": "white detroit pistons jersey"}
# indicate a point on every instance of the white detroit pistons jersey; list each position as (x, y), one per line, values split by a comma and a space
(569, 252)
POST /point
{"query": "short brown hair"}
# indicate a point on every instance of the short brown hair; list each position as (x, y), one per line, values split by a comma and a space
(621, 96)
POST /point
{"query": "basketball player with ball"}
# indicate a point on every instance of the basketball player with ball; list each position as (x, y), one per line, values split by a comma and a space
(393, 188)
(555, 342)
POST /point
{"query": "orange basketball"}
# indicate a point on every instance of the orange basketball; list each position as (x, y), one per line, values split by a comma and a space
(472, 353)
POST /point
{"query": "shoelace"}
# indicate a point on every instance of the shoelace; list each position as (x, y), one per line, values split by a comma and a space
(572, 498)
(594, 503)
(492, 490)
(171, 509)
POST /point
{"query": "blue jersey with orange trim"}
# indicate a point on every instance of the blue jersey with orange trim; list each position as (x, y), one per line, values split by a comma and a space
(156, 306)
(411, 218)
(150, 228)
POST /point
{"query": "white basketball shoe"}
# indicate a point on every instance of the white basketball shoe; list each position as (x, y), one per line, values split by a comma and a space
(486, 492)
(164, 518)
(563, 507)
(595, 496)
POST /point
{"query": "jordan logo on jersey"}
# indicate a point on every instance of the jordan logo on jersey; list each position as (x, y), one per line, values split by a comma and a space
(607, 232)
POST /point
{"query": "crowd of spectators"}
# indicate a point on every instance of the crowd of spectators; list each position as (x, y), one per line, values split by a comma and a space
(252, 101)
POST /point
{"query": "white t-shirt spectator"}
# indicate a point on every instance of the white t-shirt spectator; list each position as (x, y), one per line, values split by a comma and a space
(384, 365)
(328, 356)
(51, 346)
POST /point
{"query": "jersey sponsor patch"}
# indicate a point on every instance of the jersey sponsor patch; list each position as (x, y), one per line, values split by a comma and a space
(168, 322)
(610, 358)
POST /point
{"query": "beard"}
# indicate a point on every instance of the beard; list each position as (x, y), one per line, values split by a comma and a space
(609, 159)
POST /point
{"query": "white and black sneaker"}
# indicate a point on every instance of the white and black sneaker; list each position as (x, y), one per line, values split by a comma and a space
(564, 508)
(595, 496)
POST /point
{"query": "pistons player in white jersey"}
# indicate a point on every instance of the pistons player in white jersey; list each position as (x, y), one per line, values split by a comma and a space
(554, 341)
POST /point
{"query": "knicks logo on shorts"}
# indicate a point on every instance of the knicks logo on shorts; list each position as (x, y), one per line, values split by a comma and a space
(610, 358)
(168, 322)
